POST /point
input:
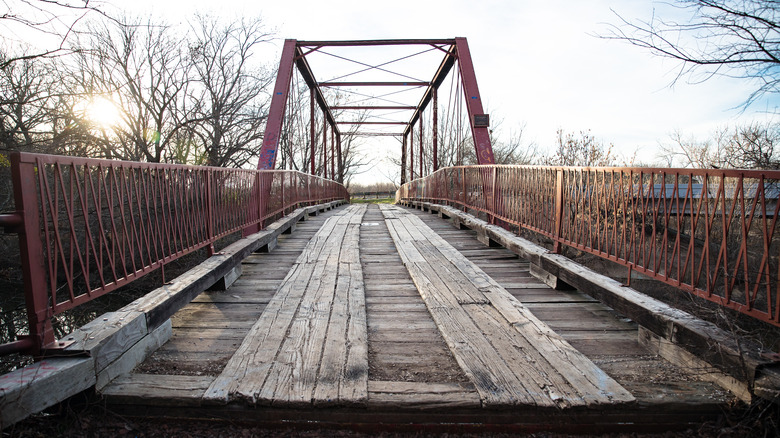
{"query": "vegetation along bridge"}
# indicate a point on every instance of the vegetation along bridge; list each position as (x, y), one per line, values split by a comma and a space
(515, 306)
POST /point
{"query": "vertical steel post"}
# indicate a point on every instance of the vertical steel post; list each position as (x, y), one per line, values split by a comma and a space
(325, 148)
(421, 145)
(403, 161)
(411, 153)
(332, 153)
(39, 312)
(558, 210)
(493, 197)
(273, 127)
(480, 134)
(435, 131)
(463, 186)
(210, 207)
(312, 150)
(308, 191)
(340, 159)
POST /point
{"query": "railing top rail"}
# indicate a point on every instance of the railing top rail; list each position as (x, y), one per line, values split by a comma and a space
(750, 173)
(35, 158)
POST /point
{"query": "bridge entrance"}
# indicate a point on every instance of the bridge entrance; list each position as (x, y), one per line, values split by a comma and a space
(379, 88)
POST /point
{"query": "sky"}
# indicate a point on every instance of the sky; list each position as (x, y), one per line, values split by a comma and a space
(539, 64)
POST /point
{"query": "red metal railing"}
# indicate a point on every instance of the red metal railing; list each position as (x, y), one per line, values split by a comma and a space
(87, 226)
(713, 233)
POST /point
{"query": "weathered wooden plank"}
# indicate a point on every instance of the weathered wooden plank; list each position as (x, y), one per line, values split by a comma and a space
(420, 395)
(294, 373)
(109, 336)
(421, 335)
(35, 387)
(398, 308)
(539, 376)
(281, 360)
(547, 370)
(593, 384)
(481, 363)
(464, 291)
(293, 378)
(353, 387)
(254, 357)
(236, 295)
(158, 389)
(335, 348)
(134, 355)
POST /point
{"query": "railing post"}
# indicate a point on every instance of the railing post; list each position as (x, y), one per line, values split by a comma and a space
(262, 198)
(210, 211)
(463, 187)
(39, 312)
(284, 203)
(558, 210)
(493, 198)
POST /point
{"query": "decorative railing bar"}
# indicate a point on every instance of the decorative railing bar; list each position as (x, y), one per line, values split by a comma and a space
(89, 226)
(710, 232)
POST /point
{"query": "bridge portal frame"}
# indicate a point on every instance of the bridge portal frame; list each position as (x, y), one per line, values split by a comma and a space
(294, 53)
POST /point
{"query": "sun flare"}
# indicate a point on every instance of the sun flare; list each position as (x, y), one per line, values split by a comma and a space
(102, 111)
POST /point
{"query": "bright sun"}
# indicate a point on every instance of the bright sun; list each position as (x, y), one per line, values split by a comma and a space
(102, 111)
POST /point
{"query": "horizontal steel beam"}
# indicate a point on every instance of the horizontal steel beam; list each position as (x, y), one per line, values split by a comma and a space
(374, 84)
(371, 123)
(376, 134)
(400, 42)
(370, 107)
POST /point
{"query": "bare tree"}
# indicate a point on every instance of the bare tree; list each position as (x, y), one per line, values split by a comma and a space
(456, 147)
(512, 150)
(25, 105)
(144, 69)
(354, 160)
(229, 97)
(738, 38)
(689, 151)
(583, 150)
(751, 146)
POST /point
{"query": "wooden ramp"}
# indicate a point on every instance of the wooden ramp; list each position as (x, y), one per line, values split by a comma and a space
(510, 355)
(309, 345)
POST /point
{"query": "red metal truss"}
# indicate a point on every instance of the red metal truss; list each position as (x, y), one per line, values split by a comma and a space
(273, 127)
(296, 52)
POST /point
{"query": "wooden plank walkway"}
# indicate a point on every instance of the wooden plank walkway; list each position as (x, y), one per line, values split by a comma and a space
(509, 354)
(210, 329)
(410, 365)
(310, 343)
(407, 372)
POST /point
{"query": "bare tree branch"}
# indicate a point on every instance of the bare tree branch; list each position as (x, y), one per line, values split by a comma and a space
(54, 18)
(734, 38)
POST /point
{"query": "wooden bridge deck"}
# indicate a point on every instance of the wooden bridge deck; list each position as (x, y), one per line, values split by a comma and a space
(365, 316)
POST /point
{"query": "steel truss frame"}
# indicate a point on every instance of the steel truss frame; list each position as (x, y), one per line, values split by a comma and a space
(294, 53)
